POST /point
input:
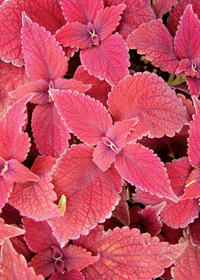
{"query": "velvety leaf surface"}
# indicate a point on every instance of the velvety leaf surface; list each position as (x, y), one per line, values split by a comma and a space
(106, 20)
(76, 257)
(41, 52)
(187, 266)
(42, 165)
(136, 13)
(140, 167)
(35, 199)
(81, 10)
(10, 78)
(126, 252)
(177, 11)
(161, 7)
(49, 130)
(91, 194)
(194, 232)
(72, 275)
(17, 172)
(194, 85)
(148, 97)
(157, 45)
(46, 13)
(78, 111)
(109, 60)
(192, 188)
(121, 212)
(71, 84)
(8, 231)
(39, 88)
(186, 41)
(194, 138)
(38, 235)
(14, 144)
(75, 35)
(99, 89)
(5, 189)
(14, 265)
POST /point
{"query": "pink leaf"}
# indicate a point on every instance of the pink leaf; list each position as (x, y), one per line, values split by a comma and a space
(71, 84)
(75, 35)
(145, 95)
(99, 90)
(106, 20)
(91, 194)
(35, 200)
(10, 78)
(135, 13)
(17, 172)
(49, 130)
(154, 40)
(42, 165)
(194, 231)
(14, 144)
(38, 235)
(193, 140)
(186, 40)
(192, 188)
(81, 10)
(8, 231)
(47, 13)
(126, 252)
(5, 189)
(78, 111)
(178, 10)
(14, 265)
(187, 266)
(109, 60)
(41, 52)
(142, 168)
(194, 85)
(71, 275)
(161, 7)
(76, 257)
(39, 88)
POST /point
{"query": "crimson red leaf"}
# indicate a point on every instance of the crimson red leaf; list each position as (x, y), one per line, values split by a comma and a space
(41, 52)
(10, 78)
(91, 194)
(14, 144)
(47, 13)
(139, 166)
(148, 97)
(186, 42)
(8, 231)
(35, 200)
(194, 85)
(193, 140)
(194, 231)
(99, 90)
(187, 266)
(154, 40)
(14, 266)
(49, 130)
(109, 60)
(126, 253)
(71, 84)
(81, 10)
(78, 111)
(136, 13)
(38, 235)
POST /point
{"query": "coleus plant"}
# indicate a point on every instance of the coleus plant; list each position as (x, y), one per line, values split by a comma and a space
(87, 187)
